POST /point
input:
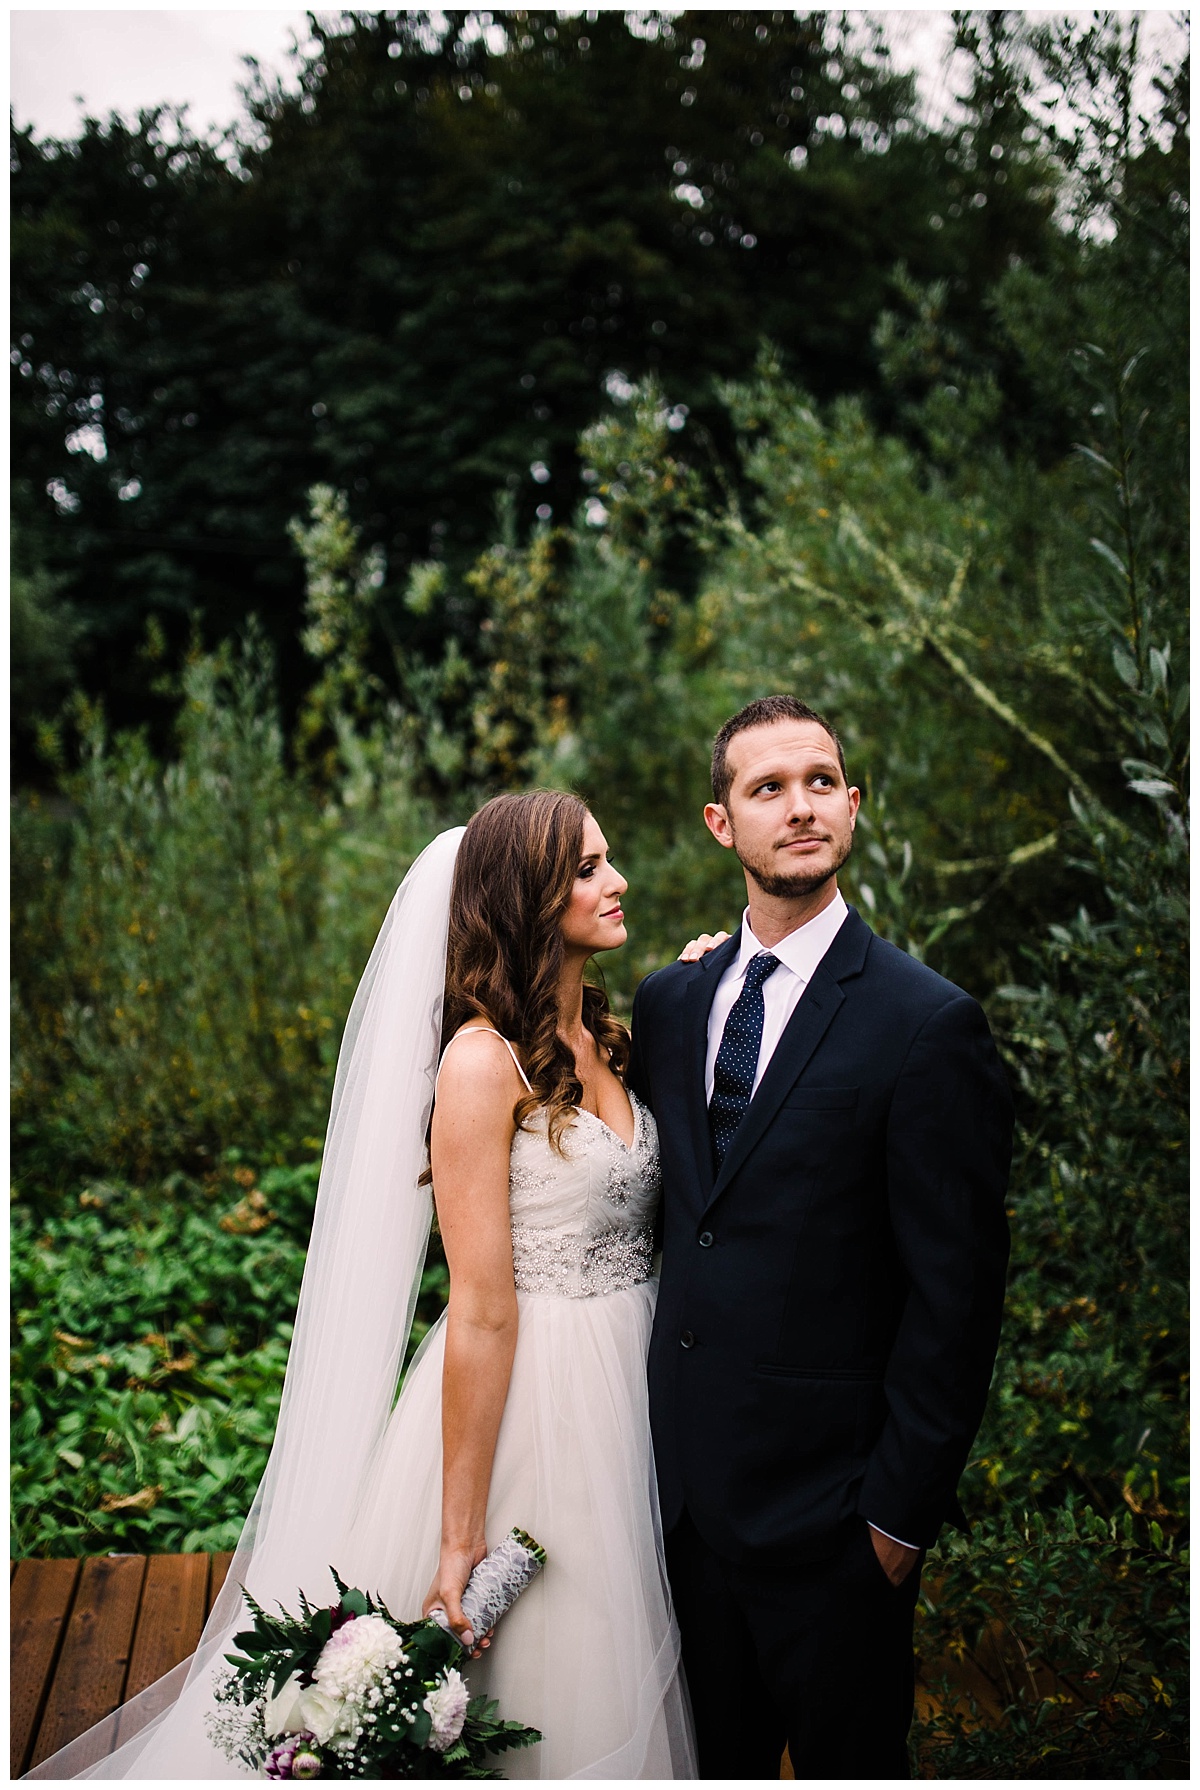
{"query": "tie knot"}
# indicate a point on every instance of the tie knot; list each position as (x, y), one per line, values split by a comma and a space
(759, 968)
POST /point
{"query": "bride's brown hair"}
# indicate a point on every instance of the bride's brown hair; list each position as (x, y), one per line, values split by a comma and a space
(513, 876)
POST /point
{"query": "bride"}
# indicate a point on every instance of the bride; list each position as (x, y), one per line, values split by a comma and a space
(526, 1403)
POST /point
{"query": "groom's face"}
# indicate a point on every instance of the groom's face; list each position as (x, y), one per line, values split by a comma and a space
(789, 815)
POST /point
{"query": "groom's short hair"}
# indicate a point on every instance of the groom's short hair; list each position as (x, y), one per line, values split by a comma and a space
(762, 713)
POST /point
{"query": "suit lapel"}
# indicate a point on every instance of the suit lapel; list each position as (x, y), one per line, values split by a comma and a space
(804, 1031)
(698, 1000)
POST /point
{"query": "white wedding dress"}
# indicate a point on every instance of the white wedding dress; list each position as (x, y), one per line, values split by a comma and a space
(590, 1653)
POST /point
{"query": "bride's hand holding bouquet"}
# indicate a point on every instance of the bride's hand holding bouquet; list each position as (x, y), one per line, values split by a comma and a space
(350, 1691)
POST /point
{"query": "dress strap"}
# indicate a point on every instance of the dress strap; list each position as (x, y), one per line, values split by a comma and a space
(495, 1034)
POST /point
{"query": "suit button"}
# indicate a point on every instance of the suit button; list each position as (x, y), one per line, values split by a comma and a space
(687, 1340)
(706, 1239)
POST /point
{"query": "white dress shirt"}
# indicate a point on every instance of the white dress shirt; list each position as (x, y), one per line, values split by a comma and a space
(799, 954)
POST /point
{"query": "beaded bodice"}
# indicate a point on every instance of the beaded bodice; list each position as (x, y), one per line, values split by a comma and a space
(582, 1221)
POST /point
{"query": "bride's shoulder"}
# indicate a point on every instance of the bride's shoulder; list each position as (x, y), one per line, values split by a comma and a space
(478, 1064)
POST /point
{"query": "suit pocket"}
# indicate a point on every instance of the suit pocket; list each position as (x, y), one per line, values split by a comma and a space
(864, 1375)
(822, 1098)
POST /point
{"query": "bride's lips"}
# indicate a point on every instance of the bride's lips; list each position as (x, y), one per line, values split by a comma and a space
(614, 913)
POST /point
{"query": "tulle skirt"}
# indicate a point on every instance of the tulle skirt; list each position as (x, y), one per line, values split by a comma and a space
(590, 1653)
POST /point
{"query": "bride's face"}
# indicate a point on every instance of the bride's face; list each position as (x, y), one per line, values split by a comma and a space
(593, 920)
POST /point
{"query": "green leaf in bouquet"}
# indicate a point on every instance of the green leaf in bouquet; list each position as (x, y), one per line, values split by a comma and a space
(356, 1603)
(430, 1648)
(254, 1606)
(508, 1735)
(322, 1625)
(280, 1676)
(421, 1729)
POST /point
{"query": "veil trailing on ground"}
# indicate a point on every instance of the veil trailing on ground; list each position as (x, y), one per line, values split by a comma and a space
(363, 1271)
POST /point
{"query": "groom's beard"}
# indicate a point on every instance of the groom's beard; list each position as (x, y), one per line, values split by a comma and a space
(802, 879)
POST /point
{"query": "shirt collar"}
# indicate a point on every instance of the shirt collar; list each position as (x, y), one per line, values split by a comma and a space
(801, 951)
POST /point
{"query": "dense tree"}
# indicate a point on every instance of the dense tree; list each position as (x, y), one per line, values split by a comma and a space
(411, 278)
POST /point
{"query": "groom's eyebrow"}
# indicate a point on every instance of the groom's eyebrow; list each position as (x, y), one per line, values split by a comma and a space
(826, 767)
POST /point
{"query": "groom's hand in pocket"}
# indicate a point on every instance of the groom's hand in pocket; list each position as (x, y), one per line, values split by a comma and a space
(896, 1559)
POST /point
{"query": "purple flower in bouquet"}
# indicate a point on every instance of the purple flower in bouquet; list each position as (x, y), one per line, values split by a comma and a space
(280, 1760)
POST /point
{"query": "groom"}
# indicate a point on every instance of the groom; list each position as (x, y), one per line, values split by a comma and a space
(836, 1132)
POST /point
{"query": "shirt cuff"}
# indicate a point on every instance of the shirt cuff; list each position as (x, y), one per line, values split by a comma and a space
(895, 1538)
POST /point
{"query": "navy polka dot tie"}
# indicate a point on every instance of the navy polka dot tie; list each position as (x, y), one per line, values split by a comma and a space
(737, 1059)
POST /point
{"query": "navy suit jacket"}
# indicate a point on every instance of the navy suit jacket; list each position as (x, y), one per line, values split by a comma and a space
(830, 1301)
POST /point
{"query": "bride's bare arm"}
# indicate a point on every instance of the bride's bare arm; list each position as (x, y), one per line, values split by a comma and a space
(470, 1145)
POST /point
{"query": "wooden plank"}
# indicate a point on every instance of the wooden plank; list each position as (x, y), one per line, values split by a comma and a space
(90, 1679)
(170, 1619)
(220, 1568)
(39, 1602)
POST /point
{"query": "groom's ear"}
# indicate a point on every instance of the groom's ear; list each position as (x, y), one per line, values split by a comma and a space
(717, 822)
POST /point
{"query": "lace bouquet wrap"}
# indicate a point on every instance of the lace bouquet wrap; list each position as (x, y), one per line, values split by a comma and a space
(498, 1581)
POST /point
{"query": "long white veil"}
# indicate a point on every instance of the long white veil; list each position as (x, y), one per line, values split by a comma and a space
(361, 1278)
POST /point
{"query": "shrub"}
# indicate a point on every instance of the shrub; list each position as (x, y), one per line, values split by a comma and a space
(1077, 1631)
(187, 938)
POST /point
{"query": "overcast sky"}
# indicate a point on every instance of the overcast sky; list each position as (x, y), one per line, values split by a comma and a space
(120, 61)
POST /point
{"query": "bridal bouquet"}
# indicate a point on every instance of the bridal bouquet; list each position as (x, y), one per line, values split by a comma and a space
(351, 1692)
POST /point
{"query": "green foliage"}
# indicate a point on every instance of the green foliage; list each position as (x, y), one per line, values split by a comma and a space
(182, 983)
(151, 1332)
(45, 633)
(151, 1343)
(1080, 1626)
(342, 583)
(412, 276)
(1092, 1390)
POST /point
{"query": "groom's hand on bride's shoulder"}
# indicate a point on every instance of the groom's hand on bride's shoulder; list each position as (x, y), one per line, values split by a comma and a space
(695, 949)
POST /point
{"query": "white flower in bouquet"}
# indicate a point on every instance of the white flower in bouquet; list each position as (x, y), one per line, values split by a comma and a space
(281, 1715)
(357, 1658)
(323, 1716)
(304, 1709)
(447, 1707)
